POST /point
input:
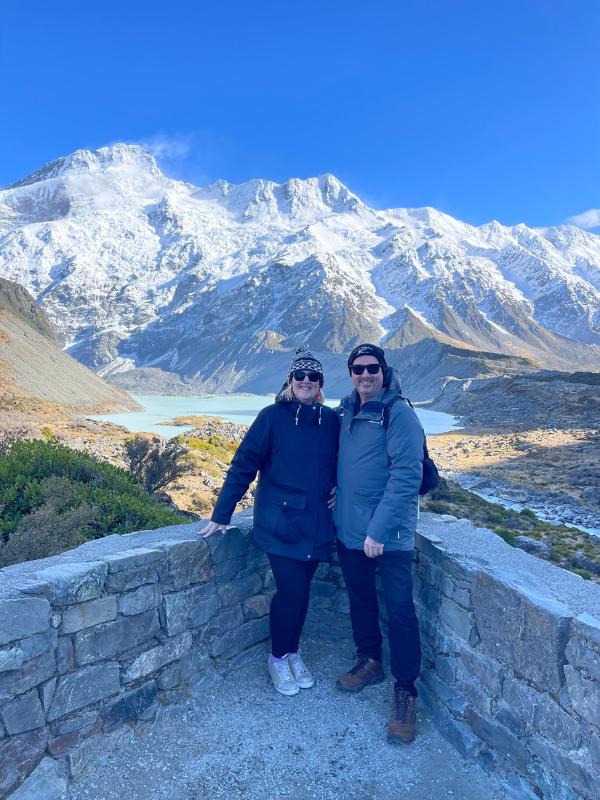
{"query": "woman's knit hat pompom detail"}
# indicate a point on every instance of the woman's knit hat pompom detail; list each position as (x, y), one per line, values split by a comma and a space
(304, 359)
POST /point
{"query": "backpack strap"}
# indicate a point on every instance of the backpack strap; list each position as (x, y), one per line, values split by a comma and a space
(387, 409)
(431, 476)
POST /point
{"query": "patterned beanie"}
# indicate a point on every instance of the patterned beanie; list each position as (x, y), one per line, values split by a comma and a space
(304, 359)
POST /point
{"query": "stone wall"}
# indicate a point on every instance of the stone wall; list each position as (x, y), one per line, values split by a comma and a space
(511, 663)
(101, 636)
(511, 657)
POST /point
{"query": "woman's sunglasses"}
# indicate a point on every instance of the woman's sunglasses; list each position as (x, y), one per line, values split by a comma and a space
(372, 369)
(300, 374)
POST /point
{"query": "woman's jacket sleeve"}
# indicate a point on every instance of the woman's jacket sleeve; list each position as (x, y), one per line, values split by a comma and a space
(250, 456)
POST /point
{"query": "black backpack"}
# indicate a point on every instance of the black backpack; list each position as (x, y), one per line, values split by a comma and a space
(431, 476)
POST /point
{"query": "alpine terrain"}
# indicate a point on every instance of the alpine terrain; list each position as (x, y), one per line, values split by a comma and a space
(35, 373)
(156, 283)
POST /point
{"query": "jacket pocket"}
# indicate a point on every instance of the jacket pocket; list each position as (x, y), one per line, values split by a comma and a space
(364, 505)
(286, 510)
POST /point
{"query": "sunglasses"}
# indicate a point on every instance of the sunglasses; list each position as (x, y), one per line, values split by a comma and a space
(372, 369)
(300, 374)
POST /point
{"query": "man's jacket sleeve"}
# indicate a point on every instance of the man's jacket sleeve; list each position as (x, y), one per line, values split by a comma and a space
(404, 442)
(248, 459)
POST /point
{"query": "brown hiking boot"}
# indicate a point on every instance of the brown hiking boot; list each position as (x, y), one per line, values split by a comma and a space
(401, 729)
(365, 672)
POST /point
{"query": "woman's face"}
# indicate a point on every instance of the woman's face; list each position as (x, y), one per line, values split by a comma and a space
(304, 390)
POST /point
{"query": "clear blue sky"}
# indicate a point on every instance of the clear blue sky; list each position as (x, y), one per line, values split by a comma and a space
(482, 108)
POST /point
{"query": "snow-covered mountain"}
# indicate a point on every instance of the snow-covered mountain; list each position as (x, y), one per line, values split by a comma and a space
(215, 285)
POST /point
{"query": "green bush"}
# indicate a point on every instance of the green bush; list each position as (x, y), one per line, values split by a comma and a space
(53, 498)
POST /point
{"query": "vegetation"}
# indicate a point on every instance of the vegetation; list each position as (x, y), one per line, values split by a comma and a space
(155, 461)
(53, 498)
(214, 446)
(208, 458)
(570, 548)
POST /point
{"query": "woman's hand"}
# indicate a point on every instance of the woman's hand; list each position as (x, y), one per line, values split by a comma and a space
(211, 528)
(331, 501)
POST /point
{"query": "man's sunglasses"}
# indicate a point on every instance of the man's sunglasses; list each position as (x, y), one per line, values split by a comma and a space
(372, 369)
(300, 374)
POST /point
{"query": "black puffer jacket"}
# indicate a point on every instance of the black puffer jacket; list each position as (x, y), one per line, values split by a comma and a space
(294, 449)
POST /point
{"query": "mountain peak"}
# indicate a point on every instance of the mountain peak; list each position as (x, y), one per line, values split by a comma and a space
(305, 199)
(86, 161)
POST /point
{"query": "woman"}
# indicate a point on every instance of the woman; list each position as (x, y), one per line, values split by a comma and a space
(292, 444)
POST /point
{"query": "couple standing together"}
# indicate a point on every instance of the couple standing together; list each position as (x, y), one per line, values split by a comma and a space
(371, 450)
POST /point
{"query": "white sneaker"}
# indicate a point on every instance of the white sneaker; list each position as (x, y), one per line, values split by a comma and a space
(281, 676)
(300, 671)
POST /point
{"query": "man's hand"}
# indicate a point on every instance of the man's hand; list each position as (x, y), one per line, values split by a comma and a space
(211, 528)
(372, 548)
(331, 501)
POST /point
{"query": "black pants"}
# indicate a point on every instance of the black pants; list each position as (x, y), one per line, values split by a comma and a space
(395, 568)
(290, 603)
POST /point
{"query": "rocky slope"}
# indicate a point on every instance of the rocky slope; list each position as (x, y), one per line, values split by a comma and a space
(530, 439)
(540, 399)
(37, 379)
(151, 279)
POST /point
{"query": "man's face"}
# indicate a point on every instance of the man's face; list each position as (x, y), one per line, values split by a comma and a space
(367, 386)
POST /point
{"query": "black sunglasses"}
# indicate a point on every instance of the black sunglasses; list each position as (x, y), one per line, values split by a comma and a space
(300, 374)
(372, 369)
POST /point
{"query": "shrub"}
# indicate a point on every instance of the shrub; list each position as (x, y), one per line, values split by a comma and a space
(53, 498)
(583, 573)
(156, 462)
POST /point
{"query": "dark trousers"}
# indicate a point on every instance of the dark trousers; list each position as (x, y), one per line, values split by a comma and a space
(395, 568)
(290, 603)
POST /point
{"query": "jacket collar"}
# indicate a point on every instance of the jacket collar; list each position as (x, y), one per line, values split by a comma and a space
(304, 414)
(375, 406)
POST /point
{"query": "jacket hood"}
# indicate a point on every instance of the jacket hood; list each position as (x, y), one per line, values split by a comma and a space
(385, 395)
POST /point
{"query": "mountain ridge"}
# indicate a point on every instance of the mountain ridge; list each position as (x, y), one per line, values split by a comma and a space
(210, 284)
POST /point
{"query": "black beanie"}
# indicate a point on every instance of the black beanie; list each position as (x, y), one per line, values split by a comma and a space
(367, 350)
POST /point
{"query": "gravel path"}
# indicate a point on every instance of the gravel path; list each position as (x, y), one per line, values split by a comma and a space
(234, 737)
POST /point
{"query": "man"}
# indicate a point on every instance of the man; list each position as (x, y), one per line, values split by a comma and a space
(380, 466)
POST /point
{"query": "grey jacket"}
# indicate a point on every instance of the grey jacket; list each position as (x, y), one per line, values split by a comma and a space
(379, 472)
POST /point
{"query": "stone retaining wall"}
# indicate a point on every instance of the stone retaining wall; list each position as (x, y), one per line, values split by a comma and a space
(101, 636)
(511, 657)
(511, 660)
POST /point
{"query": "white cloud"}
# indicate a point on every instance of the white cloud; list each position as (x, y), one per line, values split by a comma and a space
(587, 219)
(167, 146)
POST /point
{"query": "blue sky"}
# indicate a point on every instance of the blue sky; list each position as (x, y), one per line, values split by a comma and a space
(484, 109)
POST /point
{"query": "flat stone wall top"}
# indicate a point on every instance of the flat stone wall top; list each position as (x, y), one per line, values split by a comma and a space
(488, 552)
(104, 635)
(18, 574)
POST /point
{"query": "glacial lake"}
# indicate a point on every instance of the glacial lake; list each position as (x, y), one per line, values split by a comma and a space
(240, 408)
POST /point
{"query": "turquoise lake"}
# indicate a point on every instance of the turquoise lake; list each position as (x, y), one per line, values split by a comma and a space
(240, 408)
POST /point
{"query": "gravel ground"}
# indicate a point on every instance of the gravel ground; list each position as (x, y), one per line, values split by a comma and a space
(234, 737)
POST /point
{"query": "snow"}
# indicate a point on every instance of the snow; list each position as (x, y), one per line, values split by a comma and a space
(111, 246)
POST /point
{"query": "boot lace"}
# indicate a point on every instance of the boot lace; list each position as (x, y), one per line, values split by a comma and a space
(402, 699)
(362, 660)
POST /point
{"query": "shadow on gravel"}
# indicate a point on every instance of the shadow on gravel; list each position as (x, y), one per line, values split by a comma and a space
(235, 737)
